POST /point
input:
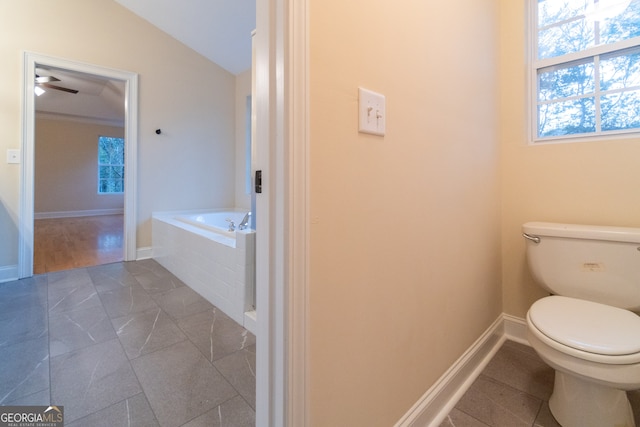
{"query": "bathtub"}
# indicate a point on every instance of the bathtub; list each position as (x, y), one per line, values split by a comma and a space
(219, 264)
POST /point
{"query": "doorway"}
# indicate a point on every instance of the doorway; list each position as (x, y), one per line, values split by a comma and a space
(79, 170)
(34, 63)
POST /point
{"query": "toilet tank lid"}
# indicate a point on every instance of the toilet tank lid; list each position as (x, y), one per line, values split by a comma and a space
(583, 231)
(587, 326)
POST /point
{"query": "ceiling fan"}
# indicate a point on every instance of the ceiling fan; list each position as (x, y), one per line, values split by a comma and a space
(45, 81)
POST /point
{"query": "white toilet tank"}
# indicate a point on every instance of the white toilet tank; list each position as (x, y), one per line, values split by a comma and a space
(590, 262)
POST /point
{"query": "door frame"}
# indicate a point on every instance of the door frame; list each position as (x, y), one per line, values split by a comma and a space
(27, 178)
(282, 249)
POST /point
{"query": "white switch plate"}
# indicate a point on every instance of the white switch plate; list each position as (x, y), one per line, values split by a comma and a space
(372, 112)
(13, 156)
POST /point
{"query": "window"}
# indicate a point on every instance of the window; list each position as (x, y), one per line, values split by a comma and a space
(110, 165)
(586, 68)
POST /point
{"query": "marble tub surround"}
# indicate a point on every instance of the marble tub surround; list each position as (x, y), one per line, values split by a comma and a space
(124, 344)
(512, 390)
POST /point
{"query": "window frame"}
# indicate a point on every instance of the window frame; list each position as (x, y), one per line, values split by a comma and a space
(535, 64)
(99, 165)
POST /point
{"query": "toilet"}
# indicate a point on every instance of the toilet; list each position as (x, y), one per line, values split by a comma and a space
(588, 329)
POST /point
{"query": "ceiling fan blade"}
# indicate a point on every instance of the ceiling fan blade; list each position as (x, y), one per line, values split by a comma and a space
(50, 86)
(46, 79)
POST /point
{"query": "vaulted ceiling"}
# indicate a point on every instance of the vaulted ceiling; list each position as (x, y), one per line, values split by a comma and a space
(220, 30)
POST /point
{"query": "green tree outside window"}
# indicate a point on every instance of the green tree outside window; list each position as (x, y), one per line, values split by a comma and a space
(110, 165)
(586, 67)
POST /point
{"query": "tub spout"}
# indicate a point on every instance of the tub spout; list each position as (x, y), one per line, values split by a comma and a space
(245, 221)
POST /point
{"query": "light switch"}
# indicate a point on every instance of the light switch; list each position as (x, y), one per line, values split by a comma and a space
(13, 156)
(372, 114)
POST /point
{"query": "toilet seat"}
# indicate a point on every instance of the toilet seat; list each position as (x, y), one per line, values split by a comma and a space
(600, 330)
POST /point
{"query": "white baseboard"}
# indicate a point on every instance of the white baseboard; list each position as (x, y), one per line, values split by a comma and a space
(8, 273)
(432, 408)
(515, 329)
(144, 253)
(74, 214)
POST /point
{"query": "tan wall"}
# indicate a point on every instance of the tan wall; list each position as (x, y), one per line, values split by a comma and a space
(405, 246)
(66, 167)
(189, 166)
(581, 182)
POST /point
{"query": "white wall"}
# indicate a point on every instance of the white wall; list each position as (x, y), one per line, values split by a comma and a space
(189, 166)
(66, 167)
(243, 90)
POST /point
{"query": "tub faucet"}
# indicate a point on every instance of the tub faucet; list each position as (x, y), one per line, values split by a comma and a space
(232, 226)
(245, 221)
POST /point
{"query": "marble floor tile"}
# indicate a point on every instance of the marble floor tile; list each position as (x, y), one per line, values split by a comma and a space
(19, 287)
(215, 333)
(239, 369)
(79, 296)
(111, 276)
(520, 367)
(145, 332)
(91, 379)
(457, 418)
(634, 398)
(234, 412)
(180, 383)
(182, 302)
(26, 323)
(498, 404)
(25, 369)
(68, 278)
(59, 345)
(155, 284)
(545, 418)
(25, 294)
(75, 329)
(39, 398)
(146, 266)
(126, 301)
(132, 412)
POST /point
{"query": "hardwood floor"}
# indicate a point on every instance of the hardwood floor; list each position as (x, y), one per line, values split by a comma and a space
(67, 243)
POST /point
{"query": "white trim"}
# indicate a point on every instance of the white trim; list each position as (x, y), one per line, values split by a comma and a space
(8, 273)
(515, 329)
(270, 342)
(74, 214)
(281, 141)
(144, 253)
(298, 304)
(433, 407)
(26, 213)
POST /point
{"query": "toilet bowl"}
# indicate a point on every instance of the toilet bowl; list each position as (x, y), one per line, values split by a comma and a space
(595, 350)
(588, 331)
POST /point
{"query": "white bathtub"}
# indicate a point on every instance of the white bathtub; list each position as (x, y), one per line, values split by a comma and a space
(198, 248)
(218, 222)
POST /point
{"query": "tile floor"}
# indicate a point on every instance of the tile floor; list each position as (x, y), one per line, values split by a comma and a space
(513, 390)
(124, 344)
(128, 344)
